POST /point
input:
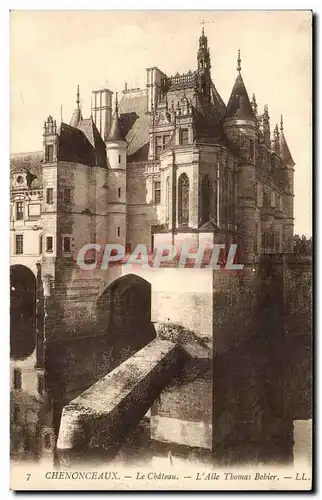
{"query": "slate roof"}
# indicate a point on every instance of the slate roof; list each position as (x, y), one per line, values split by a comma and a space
(135, 125)
(207, 118)
(116, 132)
(239, 105)
(91, 132)
(22, 162)
(285, 152)
(78, 145)
(74, 146)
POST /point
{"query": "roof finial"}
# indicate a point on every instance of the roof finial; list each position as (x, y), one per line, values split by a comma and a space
(77, 97)
(203, 27)
(239, 62)
(282, 126)
(254, 104)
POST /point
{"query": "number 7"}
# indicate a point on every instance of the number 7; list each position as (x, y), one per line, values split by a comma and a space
(28, 476)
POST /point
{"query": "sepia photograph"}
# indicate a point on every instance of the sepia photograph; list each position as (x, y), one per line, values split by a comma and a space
(161, 250)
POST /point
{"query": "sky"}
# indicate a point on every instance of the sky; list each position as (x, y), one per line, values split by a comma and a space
(54, 51)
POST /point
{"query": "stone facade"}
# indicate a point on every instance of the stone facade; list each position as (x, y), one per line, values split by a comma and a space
(173, 165)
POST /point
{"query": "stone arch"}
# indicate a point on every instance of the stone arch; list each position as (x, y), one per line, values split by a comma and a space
(125, 305)
(22, 311)
(183, 199)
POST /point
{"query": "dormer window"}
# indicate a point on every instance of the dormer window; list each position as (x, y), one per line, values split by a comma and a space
(19, 181)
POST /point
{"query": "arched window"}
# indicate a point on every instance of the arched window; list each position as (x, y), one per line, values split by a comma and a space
(183, 200)
(205, 199)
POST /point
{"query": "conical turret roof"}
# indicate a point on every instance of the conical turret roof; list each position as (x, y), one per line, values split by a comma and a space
(116, 132)
(77, 114)
(285, 152)
(284, 149)
(239, 105)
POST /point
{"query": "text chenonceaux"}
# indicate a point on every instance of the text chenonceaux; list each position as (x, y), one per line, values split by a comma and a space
(217, 256)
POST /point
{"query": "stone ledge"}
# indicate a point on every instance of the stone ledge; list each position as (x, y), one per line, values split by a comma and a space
(119, 399)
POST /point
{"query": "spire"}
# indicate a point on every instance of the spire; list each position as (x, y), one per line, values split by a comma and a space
(266, 115)
(116, 132)
(284, 149)
(77, 97)
(203, 56)
(276, 141)
(238, 62)
(77, 114)
(254, 104)
(239, 105)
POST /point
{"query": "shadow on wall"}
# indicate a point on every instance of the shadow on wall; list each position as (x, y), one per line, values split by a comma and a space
(124, 316)
(22, 312)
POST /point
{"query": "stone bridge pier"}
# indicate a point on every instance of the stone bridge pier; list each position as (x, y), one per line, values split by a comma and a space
(214, 386)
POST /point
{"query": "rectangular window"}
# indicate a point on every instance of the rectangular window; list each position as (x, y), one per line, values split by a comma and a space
(264, 242)
(157, 192)
(119, 158)
(19, 244)
(266, 200)
(158, 151)
(184, 136)
(158, 146)
(66, 244)
(19, 210)
(160, 143)
(40, 244)
(49, 153)
(17, 378)
(277, 241)
(67, 195)
(49, 244)
(256, 239)
(50, 196)
(119, 192)
(118, 231)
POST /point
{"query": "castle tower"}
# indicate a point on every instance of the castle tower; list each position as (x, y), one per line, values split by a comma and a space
(50, 186)
(288, 198)
(240, 128)
(116, 155)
